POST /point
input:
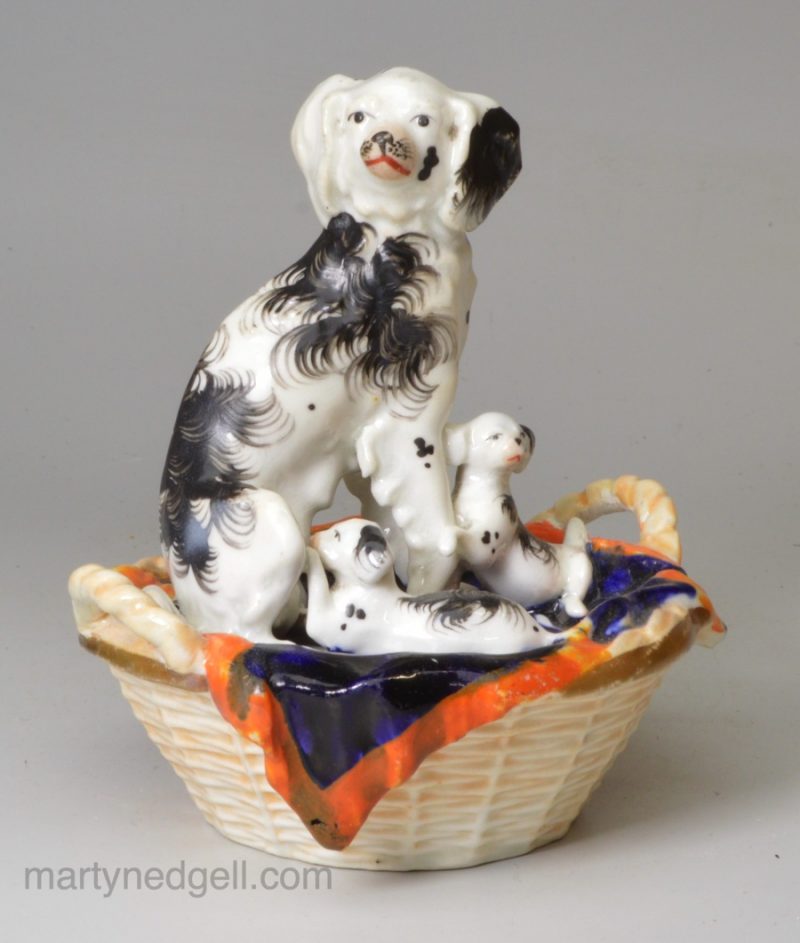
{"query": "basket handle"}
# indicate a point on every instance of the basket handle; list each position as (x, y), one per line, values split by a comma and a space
(653, 507)
(97, 592)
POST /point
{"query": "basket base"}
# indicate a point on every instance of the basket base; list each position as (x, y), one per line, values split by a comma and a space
(504, 789)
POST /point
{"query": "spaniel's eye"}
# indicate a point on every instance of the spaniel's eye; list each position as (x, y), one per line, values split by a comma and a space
(493, 438)
(357, 117)
(422, 120)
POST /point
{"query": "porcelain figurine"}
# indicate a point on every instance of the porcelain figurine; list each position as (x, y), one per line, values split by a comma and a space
(493, 541)
(414, 724)
(343, 366)
(363, 611)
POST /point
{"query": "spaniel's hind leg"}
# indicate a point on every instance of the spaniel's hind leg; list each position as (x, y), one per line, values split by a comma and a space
(256, 553)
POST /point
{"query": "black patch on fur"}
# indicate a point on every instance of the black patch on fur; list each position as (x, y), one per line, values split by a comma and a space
(452, 609)
(356, 316)
(431, 160)
(509, 508)
(318, 280)
(528, 433)
(215, 350)
(216, 416)
(532, 546)
(493, 162)
(423, 449)
(486, 537)
(372, 538)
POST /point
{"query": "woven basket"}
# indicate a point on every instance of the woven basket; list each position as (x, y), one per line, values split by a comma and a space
(503, 789)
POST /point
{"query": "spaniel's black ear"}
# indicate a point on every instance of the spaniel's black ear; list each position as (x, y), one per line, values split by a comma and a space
(493, 162)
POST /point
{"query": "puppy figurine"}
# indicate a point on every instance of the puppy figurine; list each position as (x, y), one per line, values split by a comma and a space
(363, 611)
(344, 366)
(494, 542)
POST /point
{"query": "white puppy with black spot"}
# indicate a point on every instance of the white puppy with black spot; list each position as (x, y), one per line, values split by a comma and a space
(494, 542)
(356, 606)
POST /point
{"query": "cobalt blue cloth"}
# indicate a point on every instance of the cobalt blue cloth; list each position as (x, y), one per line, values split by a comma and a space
(340, 707)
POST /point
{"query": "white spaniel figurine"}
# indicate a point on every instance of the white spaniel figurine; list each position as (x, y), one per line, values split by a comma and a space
(344, 366)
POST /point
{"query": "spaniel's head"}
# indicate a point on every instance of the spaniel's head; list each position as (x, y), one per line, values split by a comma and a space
(401, 146)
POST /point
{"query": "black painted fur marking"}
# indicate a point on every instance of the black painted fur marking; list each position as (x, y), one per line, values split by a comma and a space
(371, 539)
(356, 316)
(452, 609)
(430, 161)
(528, 433)
(319, 280)
(423, 449)
(532, 546)
(493, 162)
(509, 508)
(215, 350)
(216, 418)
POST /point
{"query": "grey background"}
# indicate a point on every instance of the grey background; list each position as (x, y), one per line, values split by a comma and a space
(637, 306)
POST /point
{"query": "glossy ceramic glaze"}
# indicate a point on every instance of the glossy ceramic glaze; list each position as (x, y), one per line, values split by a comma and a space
(344, 366)
(362, 609)
(493, 542)
(505, 664)
(340, 731)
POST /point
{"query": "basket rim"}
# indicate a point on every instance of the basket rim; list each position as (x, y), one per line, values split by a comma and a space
(119, 619)
(624, 666)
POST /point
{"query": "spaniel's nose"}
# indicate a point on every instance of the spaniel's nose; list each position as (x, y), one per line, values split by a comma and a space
(383, 139)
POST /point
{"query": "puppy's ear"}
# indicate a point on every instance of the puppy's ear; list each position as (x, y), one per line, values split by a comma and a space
(311, 135)
(488, 158)
(456, 443)
(528, 433)
(372, 554)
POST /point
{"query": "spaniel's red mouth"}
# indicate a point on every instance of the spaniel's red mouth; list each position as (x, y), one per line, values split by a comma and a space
(514, 459)
(386, 159)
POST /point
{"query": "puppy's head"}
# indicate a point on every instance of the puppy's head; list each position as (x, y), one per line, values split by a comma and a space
(401, 146)
(490, 442)
(355, 551)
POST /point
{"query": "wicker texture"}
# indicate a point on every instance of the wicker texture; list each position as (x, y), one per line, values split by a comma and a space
(653, 507)
(502, 790)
